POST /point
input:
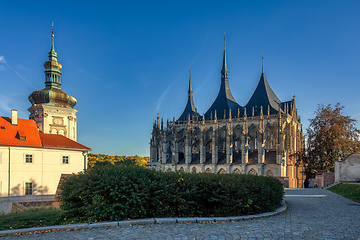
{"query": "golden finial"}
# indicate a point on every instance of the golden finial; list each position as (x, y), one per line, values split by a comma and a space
(224, 35)
(52, 29)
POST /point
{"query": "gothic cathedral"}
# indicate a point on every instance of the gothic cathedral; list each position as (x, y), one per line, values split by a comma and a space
(261, 138)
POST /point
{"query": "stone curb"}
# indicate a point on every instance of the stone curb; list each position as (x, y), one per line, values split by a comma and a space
(70, 227)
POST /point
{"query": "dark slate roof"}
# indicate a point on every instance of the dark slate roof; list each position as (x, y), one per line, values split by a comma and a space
(263, 96)
(189, 109)
(223, 103)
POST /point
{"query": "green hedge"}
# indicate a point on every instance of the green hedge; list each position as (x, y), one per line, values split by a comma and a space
(116, 192)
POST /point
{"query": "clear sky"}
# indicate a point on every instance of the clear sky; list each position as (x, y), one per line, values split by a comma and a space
(126, 61)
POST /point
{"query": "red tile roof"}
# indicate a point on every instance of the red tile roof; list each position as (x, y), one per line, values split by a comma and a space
(10, 135)
(59, 141)
(26, 134)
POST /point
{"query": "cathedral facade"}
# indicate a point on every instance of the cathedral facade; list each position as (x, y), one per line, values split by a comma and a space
(261, 138)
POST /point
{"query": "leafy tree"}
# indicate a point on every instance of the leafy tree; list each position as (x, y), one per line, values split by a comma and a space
(331, 136)
(95, 159)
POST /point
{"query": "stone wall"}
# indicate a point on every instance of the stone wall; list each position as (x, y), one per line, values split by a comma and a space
(348, 170)
(322, 179)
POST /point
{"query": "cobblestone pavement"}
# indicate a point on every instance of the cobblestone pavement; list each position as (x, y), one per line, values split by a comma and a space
(312, 214)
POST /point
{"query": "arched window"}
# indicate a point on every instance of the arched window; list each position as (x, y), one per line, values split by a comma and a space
(208, 170)
(181, 169)
(193, 170)
(169, 170)
(237, 171)
(252, 172)
(269, 173)
(221, 171)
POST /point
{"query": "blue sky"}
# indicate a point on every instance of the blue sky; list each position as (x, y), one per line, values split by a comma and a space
(126, 61)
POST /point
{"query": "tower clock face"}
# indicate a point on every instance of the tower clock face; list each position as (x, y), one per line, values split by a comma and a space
(58, 121)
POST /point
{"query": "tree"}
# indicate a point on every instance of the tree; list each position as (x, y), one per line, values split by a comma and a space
(330, 136)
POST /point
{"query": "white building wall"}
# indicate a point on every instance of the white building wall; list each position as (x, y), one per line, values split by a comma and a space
(44, 172)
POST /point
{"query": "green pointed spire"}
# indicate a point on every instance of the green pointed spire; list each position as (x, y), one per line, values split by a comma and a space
(52, 66)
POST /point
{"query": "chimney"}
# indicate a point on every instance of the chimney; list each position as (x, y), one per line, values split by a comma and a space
(14, 117)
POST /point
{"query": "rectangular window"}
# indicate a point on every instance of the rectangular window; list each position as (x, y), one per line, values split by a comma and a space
(28, 158)
(28, 188)
(65, 159)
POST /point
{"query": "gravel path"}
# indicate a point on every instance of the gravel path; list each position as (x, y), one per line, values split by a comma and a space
(312, 214)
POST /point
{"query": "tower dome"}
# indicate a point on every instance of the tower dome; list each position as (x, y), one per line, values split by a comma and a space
(52, 93)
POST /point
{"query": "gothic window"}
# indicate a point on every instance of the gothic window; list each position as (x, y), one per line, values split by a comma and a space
(221, 171)
(222, 140)
(237, 139)
(252, 172)
(193, 170)
(169, 170)
(237, 171)
(269, 173)
(181, 169)
(208, 170)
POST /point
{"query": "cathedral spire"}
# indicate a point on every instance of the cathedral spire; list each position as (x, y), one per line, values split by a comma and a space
(262, 64)
(190, 87)
(224, 70)
(224, 100)
(190, 108)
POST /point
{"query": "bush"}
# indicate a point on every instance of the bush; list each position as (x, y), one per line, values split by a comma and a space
(116, 192)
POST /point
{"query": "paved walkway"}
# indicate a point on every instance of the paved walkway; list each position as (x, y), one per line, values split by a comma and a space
(312, 214)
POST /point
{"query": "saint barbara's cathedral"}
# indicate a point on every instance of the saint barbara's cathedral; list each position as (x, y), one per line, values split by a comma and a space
(261, 138)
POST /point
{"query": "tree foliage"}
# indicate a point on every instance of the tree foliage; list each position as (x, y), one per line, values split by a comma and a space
(331, 136)
(94, 159)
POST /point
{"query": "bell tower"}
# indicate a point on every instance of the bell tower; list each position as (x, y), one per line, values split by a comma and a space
(53, 109)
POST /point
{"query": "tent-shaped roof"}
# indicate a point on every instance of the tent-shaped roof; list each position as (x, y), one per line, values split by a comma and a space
(263, 96)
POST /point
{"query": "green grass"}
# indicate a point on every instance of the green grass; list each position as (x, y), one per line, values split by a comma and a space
(351, 191)
(33, 218)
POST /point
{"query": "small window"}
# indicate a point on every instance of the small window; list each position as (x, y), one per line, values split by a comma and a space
(28, 188)
(28, 158)
(65, 159)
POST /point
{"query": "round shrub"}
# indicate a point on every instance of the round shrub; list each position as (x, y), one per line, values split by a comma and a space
(116, 192)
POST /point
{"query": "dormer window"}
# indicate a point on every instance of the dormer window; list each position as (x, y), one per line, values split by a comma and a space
(21, 135)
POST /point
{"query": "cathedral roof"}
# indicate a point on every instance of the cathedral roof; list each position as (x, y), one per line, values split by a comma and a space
(264, 97)
(52, 93)
(190, 108)
(224, 101)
